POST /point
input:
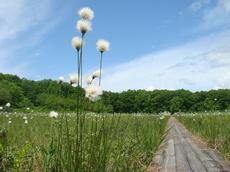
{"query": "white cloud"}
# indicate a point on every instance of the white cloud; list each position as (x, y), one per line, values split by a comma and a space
(198, 4)
(221, 56)
(23, 24)
(187, 66)
(223, 82)
(17, 16)
(216, 16)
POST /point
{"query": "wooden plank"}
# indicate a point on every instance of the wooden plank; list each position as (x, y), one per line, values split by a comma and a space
(181, 154)
(170, 159)
(193, 161)
(182, 164)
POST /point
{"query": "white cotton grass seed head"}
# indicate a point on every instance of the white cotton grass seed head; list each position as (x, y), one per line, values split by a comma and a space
(162, 117)
(8, 104)
(53, 114)
(86, 13)
(61, 79)
(73, 78)
(97, 73)
(9, 122)
(1, 108)
(93, 92)
(84, 26)
(89, 80)
(24, 117)
(26, 121)
(102, 45)
(77, 43)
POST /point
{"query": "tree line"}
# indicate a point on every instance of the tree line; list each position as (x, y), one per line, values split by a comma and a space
(50, 95)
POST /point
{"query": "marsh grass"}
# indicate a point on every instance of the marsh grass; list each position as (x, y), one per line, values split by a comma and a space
(104, 142)
(213, 128)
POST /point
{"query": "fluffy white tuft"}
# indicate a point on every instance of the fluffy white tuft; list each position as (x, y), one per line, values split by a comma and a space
(53, 114)
(102, 45)
(73, 78)
(77, 43)
(61, 79)
(162, 117)
(97, 74)
(1, 107)
(93, 92)
(84, 26)
(86, 13)
(8, 104)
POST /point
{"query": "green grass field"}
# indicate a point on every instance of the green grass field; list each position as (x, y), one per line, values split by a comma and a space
(100, 142)
(214, 129)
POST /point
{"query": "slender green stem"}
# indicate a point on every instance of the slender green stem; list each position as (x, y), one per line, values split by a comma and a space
(81, 59)
(78, 111)
(78, 67)
(100, 68)
(68, 143)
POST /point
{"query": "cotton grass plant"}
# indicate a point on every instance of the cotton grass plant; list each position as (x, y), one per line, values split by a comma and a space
(102, 46)
(75, 139)
(86, 143)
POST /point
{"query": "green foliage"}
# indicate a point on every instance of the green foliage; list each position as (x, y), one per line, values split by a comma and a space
(104, 142)
(214, 129)
(43, 95)
(156, 101)
(10, 92)
(49, 95)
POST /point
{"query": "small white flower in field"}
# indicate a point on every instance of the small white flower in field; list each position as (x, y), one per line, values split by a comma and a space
(53, 114)
(102, 45)
(162, 117)
(93, 92)
(26, 121)
(24, 117)
(8, 104)
(9, 122)
(86, 13)
(84, 26)
(89, 80)
(1, 107)
(97, 74)
(28, 108)
(77, 43)
(73, 78)
(7, 116)
(61, 79)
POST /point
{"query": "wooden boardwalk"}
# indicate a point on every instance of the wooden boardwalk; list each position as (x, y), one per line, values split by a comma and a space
(180, 152)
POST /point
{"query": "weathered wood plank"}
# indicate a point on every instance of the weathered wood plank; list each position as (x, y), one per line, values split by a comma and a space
(169, 164)
(180, 153)
(194, 162)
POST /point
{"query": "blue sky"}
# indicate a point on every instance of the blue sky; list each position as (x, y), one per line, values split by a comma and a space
(160, 44)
